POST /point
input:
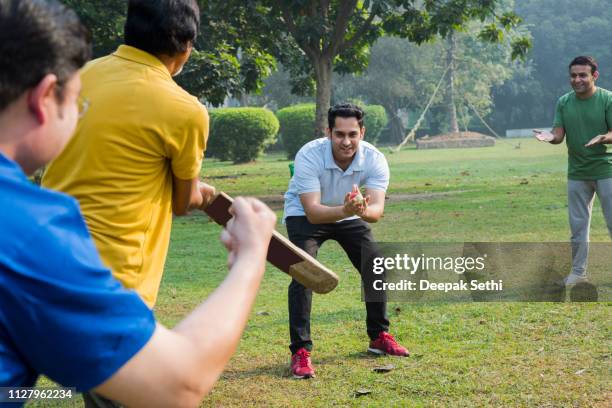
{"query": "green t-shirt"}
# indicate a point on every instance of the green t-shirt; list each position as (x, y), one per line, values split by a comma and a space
(583, 119)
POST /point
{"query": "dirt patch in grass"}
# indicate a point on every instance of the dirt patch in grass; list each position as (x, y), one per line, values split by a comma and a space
(227, 176)
(455, 140)
(455, 136)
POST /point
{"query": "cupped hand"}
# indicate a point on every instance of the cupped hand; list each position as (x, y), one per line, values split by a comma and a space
(595, 141)
(355, 203)
(543, 135)
(208, 193)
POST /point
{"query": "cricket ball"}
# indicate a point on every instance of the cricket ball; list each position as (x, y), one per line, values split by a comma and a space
(356, 196)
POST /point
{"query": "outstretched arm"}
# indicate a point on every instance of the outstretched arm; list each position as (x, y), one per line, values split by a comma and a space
(179, 367)
(601, 139)
(555, 137)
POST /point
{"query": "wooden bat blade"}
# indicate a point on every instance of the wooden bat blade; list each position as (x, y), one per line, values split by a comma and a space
(282, 253)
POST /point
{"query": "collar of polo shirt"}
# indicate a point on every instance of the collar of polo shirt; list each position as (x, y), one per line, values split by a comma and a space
(142, 57)
(356, 164)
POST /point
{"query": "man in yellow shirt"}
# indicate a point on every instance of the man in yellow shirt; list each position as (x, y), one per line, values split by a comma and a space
(136, 156)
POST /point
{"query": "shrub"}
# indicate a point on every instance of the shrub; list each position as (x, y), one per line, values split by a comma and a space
(241, 134)
(296, 126)
(216, 146)
(375, 121)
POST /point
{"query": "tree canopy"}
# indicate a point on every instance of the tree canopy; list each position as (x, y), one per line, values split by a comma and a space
(561, 30)
(241, 40)
(231, 56)
(322, 36)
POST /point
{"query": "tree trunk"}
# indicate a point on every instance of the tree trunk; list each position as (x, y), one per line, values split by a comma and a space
(323, 73)
(450, 59)
(244, 100)
(397, 130)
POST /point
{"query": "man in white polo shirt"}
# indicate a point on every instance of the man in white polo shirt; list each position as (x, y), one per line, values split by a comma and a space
(319, 206)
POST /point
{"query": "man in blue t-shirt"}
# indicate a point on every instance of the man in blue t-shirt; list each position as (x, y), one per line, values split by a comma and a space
(324, 202)
(62, 314)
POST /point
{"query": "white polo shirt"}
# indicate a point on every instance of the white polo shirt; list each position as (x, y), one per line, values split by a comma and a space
(316, 170)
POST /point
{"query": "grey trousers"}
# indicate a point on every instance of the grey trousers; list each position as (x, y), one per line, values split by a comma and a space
(580, 195)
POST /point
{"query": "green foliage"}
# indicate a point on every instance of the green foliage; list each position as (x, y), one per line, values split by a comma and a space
(296, 124)
(560, 31)
(215, 147)
(491, 33)
(375, 121)
(402, 76)
(315, 29)
(520, 48)
(241, 134)
(236, 47)
(320, 37)
(211, 75)
(480, 68)
(276, 93)
(232, 54)
(105, 22)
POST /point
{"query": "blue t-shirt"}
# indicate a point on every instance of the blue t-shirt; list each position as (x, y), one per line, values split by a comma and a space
(62, 314)
(316, 170)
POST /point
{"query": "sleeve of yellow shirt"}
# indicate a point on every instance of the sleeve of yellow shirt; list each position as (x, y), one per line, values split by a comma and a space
(185, 147)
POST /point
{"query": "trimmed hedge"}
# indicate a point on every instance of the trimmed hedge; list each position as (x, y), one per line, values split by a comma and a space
(241, 134)
(214, 146)
(375, 121)
(296, 126)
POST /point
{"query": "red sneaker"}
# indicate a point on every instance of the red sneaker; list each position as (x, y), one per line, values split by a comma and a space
(386, 344)
(301, 367)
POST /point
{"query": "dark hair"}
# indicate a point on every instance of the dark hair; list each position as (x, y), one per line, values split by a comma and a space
(584, 60)
(37, 38)
(165, 27)
(344, 110)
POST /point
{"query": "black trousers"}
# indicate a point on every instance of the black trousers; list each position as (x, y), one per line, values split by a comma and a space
(351, 235)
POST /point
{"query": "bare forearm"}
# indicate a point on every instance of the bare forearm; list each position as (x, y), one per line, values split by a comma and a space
(215, 327)
(195, 201)
(186, 196)
(322, 214)
(196, 196)
(179, 367)
(221, 318)
(373, 213)
(607, 138)
(559, 135)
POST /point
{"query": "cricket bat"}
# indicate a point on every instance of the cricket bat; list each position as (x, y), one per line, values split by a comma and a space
(282, 253)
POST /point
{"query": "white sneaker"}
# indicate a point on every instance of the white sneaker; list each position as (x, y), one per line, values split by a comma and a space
(573, 279)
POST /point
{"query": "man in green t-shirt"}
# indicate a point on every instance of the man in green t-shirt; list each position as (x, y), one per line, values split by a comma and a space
(585, 117)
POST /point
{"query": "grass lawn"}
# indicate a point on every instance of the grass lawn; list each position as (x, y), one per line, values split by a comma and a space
(463, 354)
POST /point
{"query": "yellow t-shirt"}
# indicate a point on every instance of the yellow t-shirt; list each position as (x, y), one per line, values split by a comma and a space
(141, 128)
